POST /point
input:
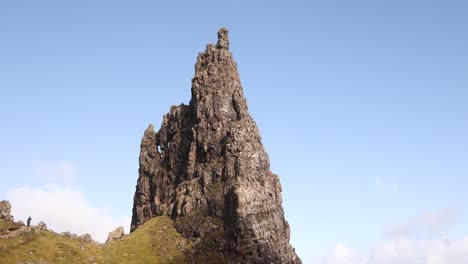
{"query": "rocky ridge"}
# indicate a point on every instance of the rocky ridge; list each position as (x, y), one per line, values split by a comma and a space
(207, 169)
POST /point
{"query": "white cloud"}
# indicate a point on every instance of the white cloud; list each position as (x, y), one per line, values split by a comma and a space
(403, 251)
(405, 246)
(63, 209)
(57, 171)
(428, 224)
(341, 254)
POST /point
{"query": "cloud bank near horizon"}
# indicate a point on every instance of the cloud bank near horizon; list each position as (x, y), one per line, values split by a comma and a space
(402, 251)
(419, 241)
(63, 208)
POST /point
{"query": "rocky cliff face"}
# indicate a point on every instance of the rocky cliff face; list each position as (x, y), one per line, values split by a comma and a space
(207, 169)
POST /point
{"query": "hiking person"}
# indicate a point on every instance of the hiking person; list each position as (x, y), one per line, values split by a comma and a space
(29, 221)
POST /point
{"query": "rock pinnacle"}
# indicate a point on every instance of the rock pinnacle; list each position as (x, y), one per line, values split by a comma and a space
(223, 39)
(207, 169)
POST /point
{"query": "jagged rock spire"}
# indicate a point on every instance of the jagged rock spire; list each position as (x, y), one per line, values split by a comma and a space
(216, 87)
(207, 169)
(223, 39)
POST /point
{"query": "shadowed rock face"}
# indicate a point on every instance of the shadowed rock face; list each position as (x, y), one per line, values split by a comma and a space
(207, 169)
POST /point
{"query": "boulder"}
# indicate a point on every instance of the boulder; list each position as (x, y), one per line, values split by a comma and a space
(41, 226)
(65, 234)
(86, 238)
(116, 234)
(5, 211)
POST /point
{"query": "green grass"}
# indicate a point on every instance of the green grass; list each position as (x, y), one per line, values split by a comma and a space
(7, 225)
(156, 241)
(46, 247)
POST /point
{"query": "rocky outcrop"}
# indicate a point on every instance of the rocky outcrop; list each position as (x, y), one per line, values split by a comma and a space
(41, 226)
(68, 234)
(5, 211)
(86, 238)
(207, 169)
(117, 234)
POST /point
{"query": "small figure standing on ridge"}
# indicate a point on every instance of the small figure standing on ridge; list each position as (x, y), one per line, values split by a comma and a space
(29, 221)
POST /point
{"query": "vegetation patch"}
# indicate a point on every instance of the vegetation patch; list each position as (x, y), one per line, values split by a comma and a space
(156, 241)
(6, 226)
(45, 247)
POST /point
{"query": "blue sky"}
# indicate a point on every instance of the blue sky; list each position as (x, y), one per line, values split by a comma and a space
(362, 107)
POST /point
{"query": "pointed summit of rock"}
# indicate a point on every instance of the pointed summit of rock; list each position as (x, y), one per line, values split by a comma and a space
(223, 39)
(207, 169)
(216, 87)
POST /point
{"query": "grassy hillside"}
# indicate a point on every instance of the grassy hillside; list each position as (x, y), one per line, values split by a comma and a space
(155, 242)
(46, 247)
